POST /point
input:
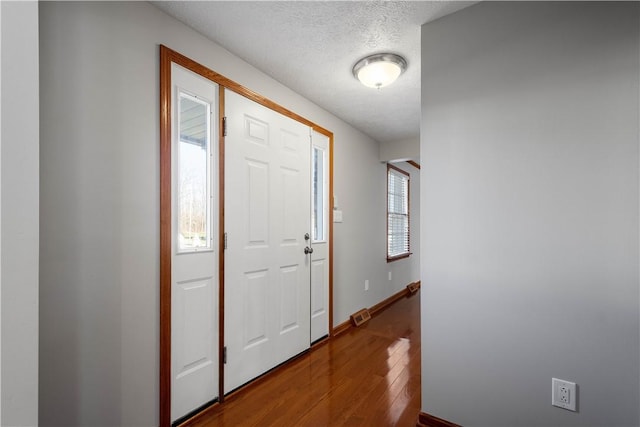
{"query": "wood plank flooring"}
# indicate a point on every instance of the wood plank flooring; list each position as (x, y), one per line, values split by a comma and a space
(368, 376)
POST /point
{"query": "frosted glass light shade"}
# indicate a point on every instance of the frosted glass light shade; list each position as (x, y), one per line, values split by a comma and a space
(379, 70)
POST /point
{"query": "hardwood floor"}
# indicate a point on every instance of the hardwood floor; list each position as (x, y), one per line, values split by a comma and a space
(368, 376)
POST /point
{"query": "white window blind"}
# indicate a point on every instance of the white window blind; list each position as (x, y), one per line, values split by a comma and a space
(397, 213)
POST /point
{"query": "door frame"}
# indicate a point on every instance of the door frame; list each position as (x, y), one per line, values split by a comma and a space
(167, 57)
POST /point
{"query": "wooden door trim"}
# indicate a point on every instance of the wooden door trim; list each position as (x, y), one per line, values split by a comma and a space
(414, 164)
(330, 135)
(168, 56)
(165, 238)
(221, 239)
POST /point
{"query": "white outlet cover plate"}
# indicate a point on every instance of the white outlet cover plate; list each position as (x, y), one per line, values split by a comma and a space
(563, 394)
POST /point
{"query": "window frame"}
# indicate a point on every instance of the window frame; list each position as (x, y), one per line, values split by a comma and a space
(407, 253)
(208, 179)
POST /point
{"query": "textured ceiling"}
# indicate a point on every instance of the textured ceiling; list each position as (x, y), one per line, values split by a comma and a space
(311, 47)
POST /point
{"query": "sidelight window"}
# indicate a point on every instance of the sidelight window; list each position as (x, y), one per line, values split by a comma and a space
(193, 186)
(318, 193)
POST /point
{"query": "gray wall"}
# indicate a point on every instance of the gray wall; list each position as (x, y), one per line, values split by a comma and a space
(100, 198)
(404, 149)
(19, 213)
(530, 197)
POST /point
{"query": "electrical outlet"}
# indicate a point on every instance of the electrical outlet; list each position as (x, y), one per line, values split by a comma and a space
(366, 285)
(563, 394)
(389, 275)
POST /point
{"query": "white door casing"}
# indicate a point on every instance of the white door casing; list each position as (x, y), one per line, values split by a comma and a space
(267, 214)
(319, 236)
(194, 242)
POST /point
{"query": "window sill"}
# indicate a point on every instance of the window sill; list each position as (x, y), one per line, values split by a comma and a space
(398, 257)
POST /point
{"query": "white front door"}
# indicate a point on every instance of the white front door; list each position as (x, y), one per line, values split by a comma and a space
(267, 215)
(319, 236)
(194, 281)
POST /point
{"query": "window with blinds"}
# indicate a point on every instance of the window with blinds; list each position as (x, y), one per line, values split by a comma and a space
(397, 213)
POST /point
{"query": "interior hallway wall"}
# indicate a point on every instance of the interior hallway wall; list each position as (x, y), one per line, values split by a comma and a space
(404, 149)
(19, 213)
(100, 199)
(530, 192)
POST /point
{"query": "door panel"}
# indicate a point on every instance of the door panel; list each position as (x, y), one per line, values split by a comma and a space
(267, 205)
(257, 201)
(288, 299)
(256, 288)
(318, 291)
(192, 311)
(194, 281)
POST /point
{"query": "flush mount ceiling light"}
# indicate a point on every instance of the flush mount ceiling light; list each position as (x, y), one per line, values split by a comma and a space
(379, 70)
